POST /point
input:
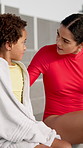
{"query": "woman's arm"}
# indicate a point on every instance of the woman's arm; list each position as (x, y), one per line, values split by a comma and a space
(38, 65)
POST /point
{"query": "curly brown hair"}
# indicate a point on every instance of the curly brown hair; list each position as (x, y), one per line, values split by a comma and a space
(10, 28)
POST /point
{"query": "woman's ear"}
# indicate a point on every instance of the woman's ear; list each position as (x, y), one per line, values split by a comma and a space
(8, 46)
(81, 45)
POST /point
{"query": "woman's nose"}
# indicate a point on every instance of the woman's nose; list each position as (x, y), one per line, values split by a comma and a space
(58, 41)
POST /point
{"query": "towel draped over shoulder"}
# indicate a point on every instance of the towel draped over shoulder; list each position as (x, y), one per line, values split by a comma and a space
(18, 127)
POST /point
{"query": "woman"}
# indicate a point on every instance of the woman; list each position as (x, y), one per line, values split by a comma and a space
(62, 67)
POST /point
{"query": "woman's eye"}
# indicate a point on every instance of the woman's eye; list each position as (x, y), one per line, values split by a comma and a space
(57, 33)
(66, 41)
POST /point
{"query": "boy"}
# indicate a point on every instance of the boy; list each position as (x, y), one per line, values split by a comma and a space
(18, 127)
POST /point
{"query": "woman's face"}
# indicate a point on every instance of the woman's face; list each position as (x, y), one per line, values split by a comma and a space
(65, 42)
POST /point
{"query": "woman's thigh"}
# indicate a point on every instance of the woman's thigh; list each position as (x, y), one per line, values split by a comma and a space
(69, 126)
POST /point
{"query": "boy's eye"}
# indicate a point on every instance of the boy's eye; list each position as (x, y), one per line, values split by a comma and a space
(24, 42)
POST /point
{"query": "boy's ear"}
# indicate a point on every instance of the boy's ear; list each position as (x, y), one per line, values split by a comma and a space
(8, 46)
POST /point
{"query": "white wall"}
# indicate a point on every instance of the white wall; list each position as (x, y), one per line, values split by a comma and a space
(49, 9)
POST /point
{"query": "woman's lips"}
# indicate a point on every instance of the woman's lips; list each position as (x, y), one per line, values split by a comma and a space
(59, 48)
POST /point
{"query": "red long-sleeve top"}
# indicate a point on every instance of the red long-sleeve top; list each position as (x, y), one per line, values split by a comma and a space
(62, 77)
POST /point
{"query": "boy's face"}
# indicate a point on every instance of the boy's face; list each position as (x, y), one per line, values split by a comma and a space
(18, 49)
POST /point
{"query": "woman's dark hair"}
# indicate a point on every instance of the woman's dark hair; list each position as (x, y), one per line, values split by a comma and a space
(10, 28)
(74, 23)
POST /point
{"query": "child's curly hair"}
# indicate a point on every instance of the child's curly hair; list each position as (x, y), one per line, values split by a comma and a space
(10, 28)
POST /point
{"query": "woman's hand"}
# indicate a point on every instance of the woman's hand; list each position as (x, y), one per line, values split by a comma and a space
(42, 146)
(57, 143)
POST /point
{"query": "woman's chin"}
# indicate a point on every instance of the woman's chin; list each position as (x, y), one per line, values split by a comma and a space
(60, 52)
